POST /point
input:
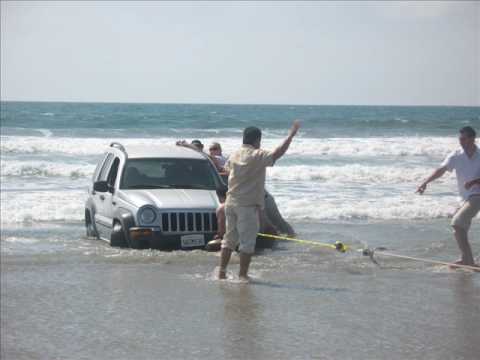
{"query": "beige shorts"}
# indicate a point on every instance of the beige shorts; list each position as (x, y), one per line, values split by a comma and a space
(242, 226)
(464, 215)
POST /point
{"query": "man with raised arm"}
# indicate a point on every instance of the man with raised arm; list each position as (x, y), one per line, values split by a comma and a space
(246, 196)
(466, 163)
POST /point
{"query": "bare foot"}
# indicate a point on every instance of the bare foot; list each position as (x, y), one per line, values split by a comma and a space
(460, 262)
(222, 274)
(453, 267)
(244, 278)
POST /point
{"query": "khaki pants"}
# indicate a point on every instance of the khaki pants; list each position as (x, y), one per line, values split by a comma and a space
(463, 217)
(242, 226)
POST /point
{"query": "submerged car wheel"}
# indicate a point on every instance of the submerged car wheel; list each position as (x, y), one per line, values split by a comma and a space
(117, 238)
(89, 227)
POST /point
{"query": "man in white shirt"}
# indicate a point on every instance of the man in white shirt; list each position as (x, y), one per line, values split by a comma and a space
(466, 163)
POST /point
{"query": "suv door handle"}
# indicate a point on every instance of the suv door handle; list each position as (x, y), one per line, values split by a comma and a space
(102, 197)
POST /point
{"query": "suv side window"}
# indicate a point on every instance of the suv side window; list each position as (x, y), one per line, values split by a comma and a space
(106, 167)
(112, 175)
(99, 167)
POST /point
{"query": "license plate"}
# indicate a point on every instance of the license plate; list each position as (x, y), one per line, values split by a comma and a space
(192, 240)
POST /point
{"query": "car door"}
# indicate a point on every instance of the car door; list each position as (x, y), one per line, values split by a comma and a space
(108, 201)
(101, 221)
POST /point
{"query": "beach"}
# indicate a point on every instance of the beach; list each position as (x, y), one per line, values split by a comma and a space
(350, 176)
(81, 299)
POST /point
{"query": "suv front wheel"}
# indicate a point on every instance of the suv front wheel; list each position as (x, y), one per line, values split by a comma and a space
(117, 237)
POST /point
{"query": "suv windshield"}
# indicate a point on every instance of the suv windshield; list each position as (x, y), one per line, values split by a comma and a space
(160, 173)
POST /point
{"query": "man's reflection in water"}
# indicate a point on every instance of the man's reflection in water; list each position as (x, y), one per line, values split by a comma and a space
(467, 317)
(242, 329)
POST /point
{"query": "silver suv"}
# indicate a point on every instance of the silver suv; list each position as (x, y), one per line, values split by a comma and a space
(153, 196)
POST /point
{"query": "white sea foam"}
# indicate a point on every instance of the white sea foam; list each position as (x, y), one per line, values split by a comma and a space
(405, 206)
(20, 240)
(341, 190)
(45, 169)
(48, 145)
(325, 204)
(45, 132)
(352, 174)
(374, 147)
(33, 206)
(436, 147)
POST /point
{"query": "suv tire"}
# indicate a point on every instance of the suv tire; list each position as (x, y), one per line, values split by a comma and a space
(117, 237)
(89, 227)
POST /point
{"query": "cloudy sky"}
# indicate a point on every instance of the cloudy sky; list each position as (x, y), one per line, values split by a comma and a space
(395, 53)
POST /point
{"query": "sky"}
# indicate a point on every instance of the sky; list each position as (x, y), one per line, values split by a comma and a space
(338, 53)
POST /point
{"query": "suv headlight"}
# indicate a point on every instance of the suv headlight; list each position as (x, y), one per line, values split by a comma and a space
(147, 215)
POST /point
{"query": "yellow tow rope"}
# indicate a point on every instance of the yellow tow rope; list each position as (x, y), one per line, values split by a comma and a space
(452, 265)
(339, 246)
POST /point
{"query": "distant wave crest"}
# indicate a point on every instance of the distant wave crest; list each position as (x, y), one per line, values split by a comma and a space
(351, 147)
(46, 169)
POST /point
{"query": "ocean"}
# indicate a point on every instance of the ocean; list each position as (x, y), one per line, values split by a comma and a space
(350, 175)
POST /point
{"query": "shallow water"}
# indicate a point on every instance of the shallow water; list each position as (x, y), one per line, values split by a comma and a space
(66, 296)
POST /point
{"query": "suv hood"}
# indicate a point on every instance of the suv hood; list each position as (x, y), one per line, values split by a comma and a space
(172, 198)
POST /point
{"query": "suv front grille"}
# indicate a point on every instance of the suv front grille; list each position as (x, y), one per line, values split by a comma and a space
(178, 222)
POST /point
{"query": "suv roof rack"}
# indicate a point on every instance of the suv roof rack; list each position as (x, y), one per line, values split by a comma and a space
(118, 146)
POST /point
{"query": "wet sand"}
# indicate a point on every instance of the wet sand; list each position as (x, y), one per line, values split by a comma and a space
(67, 297)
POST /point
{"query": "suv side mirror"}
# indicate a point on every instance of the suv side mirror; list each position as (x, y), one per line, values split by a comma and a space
(100, 186)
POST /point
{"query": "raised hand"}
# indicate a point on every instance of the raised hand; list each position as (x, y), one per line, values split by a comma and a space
(421, 189)
(294, 128)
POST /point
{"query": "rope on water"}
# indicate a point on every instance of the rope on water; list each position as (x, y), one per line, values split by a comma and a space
(389, 254)
(339, 246)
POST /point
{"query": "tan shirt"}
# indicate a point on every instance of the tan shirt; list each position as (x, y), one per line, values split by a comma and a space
(246, 182)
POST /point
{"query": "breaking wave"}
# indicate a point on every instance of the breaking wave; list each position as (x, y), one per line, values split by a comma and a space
(45, 169)
(436, 147)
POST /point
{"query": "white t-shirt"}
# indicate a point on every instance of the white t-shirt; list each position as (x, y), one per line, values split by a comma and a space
(222, 160)
(466, 169)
